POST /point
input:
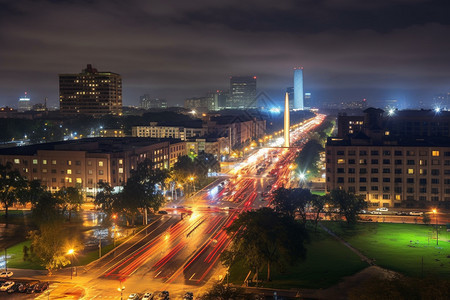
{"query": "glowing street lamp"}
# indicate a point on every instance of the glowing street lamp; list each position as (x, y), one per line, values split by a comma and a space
(71, 252)
(437, 230)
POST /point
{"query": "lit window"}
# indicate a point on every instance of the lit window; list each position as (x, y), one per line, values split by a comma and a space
(410, 171)
(435, 153)
(44, 161)
(69, 171)
(35, 161)
(69, 180)
(341, 161)
(100, 164)
(17, 161)
(69, 162)
(53, 162)
(386, 133)
(120, 161)
(78, 180)
(398, 197)
(120, 170)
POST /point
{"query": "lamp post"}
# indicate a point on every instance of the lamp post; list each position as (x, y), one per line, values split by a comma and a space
(120, 289)
(71, 252)
(437, 229)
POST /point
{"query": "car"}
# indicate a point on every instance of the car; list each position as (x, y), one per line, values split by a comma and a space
(31, 288)
(6, 274)
(147, 296)
(23, 287)
(375, 212)
(40, 287)
(162, 212)
(382, 209)
(14, 288)
(402, 213)
(188, 296)
(416, 213)
(133, 296)
(6, 286)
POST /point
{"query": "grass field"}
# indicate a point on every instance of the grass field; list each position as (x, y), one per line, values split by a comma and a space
(15, 258)
(327, 261)
(400, 247)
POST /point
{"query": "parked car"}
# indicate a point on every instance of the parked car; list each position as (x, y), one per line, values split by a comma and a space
(31, 288)
(23, 287)
(147, 296)
(14, 288)
(133, 296)
(164, 295)
(188, 296)
(40, 287)
(6, 274)
(6, 286)
(402, 213)
(162, 212)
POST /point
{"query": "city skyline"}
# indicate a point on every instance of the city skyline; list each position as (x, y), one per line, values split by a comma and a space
(350, 50)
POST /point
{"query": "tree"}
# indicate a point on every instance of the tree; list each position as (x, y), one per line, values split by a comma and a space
(11, 186)
(106, 198)
(348, 204)
(309, 157)
(318, 207)
(220, 291)
(143, 190)
(426, 219)
(292, 202)
(31, 193)
(46, 209)
(267, 237)
(70, 199)
(49, 246)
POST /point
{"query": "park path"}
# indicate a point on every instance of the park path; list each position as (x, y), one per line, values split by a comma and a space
(356, 251)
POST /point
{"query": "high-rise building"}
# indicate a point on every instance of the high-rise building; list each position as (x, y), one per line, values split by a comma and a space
(147, 102)
(91, 93)
(243, 92)
(24, 103)
(298, 88)
(290, 92)
(203, 104)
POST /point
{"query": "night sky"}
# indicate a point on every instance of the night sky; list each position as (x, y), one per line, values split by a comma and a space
(350, 49)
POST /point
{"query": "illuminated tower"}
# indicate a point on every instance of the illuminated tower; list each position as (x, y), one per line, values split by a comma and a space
(298, 88)
(24, 103)
(286, 121)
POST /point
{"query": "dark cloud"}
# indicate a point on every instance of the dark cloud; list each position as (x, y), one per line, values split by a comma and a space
(179, 49)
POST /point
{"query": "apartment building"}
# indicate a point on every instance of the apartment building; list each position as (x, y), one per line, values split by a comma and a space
(83, 163)
(175, 132)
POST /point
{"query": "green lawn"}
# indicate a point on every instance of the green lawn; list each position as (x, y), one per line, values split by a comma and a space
(15, 258)
(327, 261)
(400, 247)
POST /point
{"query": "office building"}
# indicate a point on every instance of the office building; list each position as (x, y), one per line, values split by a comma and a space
(203, 104)
(242, 92)
(298, 88)
(90, 93)
(24, 103)
(147, 102)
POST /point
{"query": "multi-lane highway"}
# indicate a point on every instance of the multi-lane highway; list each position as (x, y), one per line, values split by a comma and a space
(180, 254)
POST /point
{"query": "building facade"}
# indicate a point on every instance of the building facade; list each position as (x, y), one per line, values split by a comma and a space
(175, 132)
(90, 93)
(298, 88)
(83, 163)
(147, 102)
(243, 92)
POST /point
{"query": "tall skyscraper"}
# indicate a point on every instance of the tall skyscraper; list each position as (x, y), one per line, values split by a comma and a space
(243, 92)
(24, 103)
(147, 102)
(91, 93)
(298, 88)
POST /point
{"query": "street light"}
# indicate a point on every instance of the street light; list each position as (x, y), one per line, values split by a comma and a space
(71, 252)
(120, 289)
(437, 230)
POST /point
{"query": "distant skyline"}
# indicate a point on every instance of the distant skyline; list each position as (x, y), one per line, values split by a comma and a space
(350, 49)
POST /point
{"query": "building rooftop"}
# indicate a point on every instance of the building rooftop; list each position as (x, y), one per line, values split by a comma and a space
(92, 145)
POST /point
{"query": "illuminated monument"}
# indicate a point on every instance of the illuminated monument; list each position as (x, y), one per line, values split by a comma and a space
(286, 121)
(298, 88)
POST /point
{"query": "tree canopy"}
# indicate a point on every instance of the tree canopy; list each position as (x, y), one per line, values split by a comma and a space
(265, 237)
(11, 186)
(348, 204)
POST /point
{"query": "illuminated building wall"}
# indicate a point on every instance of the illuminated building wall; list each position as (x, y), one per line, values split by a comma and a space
(243, 92)
(298, 88)
(90, 93)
